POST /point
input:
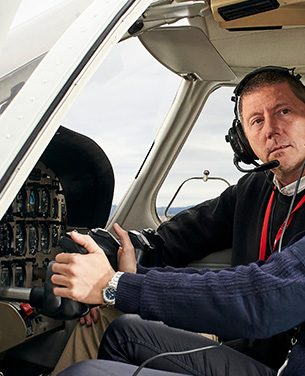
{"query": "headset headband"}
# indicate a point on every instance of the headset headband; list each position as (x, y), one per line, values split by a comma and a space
(285, 71)
(289, 72)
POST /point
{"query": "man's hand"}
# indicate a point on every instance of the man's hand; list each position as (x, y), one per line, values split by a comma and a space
(91, 318)
(82, 277)
(126, 253)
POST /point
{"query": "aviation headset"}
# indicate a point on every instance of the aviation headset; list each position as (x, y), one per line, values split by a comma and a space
(236, 136)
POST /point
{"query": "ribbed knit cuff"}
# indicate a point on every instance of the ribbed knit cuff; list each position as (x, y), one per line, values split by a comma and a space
(142, 269)
(129, 292)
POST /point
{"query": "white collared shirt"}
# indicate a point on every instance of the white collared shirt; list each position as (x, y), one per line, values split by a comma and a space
(289, 189)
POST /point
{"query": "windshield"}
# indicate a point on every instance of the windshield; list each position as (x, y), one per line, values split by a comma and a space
(40, 22)
(122, 107)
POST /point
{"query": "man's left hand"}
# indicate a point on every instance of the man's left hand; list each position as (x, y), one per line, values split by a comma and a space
(82, 277)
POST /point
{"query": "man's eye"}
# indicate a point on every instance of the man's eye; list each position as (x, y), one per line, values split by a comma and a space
(285, 111)
(256, 121)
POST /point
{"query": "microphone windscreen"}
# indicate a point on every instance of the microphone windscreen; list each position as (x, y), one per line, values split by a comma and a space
(267, 166)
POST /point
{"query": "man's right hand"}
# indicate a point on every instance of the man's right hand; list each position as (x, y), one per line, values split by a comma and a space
(126, 253)
(126, 263)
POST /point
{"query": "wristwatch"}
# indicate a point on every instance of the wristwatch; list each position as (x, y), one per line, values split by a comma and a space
(109, 292)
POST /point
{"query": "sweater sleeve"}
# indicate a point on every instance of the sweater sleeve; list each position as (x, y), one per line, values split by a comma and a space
(253, 301)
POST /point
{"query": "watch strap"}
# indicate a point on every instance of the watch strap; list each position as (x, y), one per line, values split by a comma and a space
(109, 292)
(115, 279)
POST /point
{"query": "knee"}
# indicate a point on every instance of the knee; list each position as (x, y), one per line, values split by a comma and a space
(117, 333)
(126, 323)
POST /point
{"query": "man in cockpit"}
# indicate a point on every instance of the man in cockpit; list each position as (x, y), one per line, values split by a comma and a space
(259, 216)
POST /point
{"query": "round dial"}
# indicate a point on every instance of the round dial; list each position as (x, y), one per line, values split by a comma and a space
(20, 203)
(54, 209)
(33, 239)
(6, 239)
(44, 202)
(5, 277)
(54, 235)
(19, 276)
(33, 202)
(20, 240)
(44, 239)
(109, 294)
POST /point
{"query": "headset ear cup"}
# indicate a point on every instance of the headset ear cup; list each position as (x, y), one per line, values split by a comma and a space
(240, 144)
(248, 154)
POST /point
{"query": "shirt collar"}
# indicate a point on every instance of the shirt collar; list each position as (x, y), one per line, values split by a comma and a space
(289, 189)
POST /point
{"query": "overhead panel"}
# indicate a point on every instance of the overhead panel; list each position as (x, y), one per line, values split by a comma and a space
(186, 50)
(251, 14)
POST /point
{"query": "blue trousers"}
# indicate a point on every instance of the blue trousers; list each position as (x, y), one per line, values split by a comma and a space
(129, 339)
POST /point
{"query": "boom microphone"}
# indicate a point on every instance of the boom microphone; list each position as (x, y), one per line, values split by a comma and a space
(260, 167)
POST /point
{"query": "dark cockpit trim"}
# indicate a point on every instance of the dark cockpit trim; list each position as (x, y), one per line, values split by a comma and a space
(86, 176)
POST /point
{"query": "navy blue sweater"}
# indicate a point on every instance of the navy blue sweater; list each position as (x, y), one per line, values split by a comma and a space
(203, 301)
(253, 301)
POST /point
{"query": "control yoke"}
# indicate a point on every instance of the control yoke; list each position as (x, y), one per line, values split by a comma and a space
(43, 299)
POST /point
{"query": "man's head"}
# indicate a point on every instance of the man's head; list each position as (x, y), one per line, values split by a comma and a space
(271, 106)
(269, 76)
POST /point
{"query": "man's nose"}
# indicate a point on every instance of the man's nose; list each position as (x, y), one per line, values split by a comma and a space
(271, 126)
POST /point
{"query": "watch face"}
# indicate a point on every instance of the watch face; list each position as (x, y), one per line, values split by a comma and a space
(109, 295)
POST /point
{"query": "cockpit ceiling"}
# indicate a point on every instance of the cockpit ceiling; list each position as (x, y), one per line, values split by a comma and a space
(244, 50)
(277, 47)
(187, 50)
(212, 53)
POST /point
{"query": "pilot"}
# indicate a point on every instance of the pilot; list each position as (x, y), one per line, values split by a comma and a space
(257, 217)
(251, 301)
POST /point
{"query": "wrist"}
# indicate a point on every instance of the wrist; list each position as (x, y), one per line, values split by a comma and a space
(109, 292)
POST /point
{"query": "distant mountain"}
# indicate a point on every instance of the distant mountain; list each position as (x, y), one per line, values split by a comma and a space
(161, 210)
(172, 211)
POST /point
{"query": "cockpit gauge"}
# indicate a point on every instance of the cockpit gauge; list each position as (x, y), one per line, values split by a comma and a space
(44, 202)
(5, 276)
(19, 276)
(9, 215)
(33, 202)
(20, 239)
(54, 235)
(54, 208)
(33, 239)
(6, 239)
(20, 203)
(45, 238)
(63, 212)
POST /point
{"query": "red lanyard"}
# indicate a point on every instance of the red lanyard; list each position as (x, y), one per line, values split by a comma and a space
(264, 236)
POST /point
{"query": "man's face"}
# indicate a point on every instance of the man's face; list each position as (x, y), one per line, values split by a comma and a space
(274, 124)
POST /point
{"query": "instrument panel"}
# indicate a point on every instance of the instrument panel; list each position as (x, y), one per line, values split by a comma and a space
(53, 199)
(31, 228)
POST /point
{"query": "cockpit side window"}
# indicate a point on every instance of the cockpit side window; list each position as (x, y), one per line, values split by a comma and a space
(204, 151)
